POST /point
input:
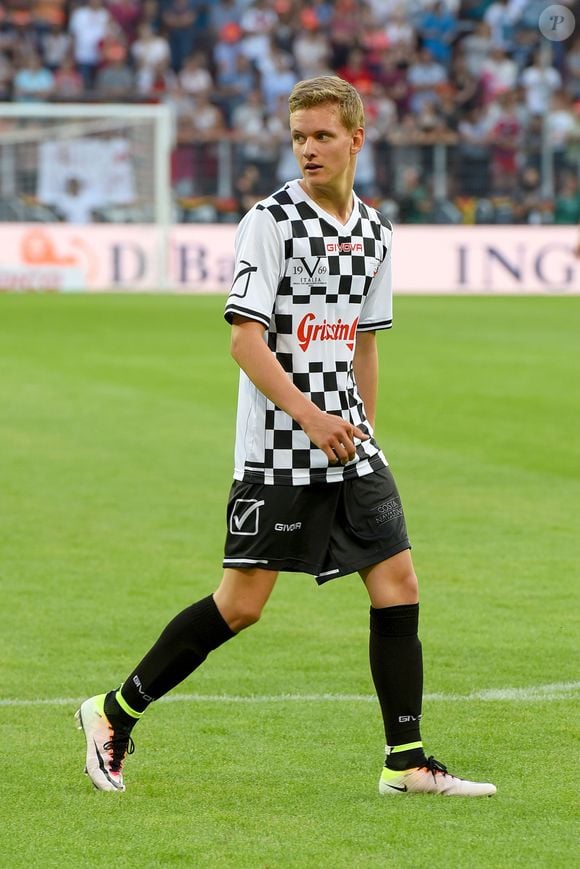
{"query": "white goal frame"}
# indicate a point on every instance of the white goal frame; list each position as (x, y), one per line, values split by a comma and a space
(75, 117)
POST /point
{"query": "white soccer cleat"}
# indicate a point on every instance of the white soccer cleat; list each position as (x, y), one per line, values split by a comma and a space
(106, 749)
(431, 778)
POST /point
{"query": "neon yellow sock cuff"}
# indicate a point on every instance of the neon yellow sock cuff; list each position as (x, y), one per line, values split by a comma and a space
(125, 706)
(395, 749)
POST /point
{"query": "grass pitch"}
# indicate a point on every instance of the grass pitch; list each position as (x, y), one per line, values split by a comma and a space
(116, 441)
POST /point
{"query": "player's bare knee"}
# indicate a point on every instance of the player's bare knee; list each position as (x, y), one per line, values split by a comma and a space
(410, 584)
(243, 615)
(238, 612)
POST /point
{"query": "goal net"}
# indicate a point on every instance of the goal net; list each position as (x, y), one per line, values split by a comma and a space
(77, 163)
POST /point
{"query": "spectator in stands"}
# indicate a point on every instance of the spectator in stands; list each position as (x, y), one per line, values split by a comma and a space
(201, 129)
(437, 29)
(33, 82)
(505, 139)
(474, 10)
(476, 47)
(127, 15)
(182, 106)
(321, 10)
(465, 87)
(222, 13)
(356, 71)
(155, 83)
(150, 53)
(527, 12)
(344, 30)
(533, 143)
(178, 18)
(68, 82)
(226, 51)
(572, 71)
(499, 73)
(277, 78)
(381, 118)
(560, 127)
(114, 44)
(311, 50)
(286, 26)
(381, 10)
(393, 77)
(574, 144)
(540, 80)
(524, 44)
(46, 14)
(247, 189)
(114, 81)
(18, 37)
(366, 174)
(88, 26)
(55, 45)
(449, 116)
(425, 77)
(529, 202)
(256, 139)
(500, 16)
(150, 14)
(194, 76)
(401, 34)
(234, 85)
(374, 42)
(258, 25)
(6, 77)
(406, 153)
(415, 202)
(567, 204)
(473, 153)
(380, 112)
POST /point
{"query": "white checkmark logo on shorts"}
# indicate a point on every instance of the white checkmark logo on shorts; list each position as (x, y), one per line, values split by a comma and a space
(240, 520)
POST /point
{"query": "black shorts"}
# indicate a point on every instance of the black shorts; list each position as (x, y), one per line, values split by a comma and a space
(326, 529)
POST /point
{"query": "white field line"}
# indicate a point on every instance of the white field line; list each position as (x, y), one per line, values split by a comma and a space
(531, 694)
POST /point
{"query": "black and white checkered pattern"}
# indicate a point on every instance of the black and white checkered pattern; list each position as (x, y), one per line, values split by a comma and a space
(313, 283)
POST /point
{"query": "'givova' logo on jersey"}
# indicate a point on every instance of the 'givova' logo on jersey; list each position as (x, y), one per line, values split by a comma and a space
(344, 247)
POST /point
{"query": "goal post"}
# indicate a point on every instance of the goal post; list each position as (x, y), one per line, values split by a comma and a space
(118, 155)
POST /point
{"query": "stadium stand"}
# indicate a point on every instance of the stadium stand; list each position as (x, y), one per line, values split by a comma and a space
(472, 116)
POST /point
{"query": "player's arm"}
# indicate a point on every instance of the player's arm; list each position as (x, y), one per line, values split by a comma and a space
(366, 372)
(332, 434)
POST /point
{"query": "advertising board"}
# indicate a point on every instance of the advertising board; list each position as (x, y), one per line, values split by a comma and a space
(467, 260)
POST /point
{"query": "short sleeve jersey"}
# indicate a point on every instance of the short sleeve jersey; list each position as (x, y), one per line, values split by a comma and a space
(313, 283)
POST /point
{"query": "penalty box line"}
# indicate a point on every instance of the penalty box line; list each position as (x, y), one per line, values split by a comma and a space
(529, 694)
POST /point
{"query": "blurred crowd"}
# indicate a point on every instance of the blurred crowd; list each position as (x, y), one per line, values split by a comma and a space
(471, 115)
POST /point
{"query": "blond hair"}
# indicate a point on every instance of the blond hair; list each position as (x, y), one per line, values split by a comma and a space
(329, 89)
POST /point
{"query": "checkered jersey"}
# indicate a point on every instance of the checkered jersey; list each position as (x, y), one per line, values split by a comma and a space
(313, 283)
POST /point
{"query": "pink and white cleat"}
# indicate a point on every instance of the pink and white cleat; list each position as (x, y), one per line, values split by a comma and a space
(106, 748)
(431, 778)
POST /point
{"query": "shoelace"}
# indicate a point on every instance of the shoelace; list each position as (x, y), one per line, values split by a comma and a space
(434, 766)
(120, 746)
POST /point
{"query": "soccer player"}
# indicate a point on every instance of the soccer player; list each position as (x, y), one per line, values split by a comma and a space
(312, 491)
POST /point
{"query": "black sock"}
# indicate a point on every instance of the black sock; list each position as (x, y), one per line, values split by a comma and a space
(397, 670)
(182, 647)
(120, 721)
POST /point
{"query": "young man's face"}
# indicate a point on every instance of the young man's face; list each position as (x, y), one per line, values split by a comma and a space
(323, 147)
